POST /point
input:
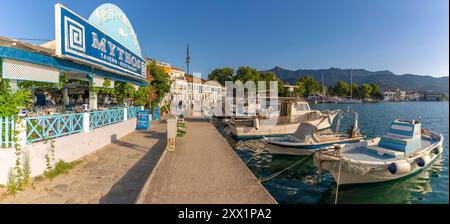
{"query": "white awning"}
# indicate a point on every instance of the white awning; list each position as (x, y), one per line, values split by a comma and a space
(20, 70)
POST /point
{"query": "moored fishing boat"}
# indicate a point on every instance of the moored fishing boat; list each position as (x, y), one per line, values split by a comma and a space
(405, 150)
(307, 140)
(284, 122)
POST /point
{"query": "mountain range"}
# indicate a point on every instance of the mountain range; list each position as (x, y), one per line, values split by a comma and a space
(385, 79)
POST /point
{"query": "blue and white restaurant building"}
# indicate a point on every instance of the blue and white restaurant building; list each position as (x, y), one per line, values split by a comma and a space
(77, 121)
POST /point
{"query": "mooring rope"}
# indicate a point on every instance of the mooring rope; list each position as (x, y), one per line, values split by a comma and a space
(337, 183)
(264, 179)
(256, 154)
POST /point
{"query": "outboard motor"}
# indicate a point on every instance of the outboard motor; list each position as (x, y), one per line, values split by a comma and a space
(350, 130)
(355, 130)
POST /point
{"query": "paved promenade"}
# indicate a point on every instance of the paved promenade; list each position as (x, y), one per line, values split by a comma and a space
(113, 174)
(203, 169)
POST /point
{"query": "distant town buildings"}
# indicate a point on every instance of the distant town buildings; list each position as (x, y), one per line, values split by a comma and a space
(394, 95)
(174, 72)
(177, 74)
(389, 95)
(434, 96)
(413, 95)
(188, 91)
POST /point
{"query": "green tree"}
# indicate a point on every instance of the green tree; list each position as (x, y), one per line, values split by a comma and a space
(142, 97)
(365, 90)
(123, 91)
(11, 102)
(159, 82)
(222, 74)
(341, 88)
(246, 73)
(269, 77)
(355, 90)
(376, 91)
(310, 85)
(300, 90)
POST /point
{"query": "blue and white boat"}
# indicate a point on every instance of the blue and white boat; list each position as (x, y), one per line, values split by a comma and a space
(307, 139)
(405, 150)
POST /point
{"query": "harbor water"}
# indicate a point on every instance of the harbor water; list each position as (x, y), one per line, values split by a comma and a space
(306, 185)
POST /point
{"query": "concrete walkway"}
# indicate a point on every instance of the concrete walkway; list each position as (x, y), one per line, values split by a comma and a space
(203, 169)
(113, 174)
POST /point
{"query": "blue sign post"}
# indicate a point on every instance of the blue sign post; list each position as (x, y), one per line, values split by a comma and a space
(143, 120)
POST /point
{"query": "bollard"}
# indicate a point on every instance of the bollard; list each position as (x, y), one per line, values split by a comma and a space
(171, 133)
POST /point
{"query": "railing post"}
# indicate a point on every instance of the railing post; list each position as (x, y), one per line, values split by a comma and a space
(86, 122)
(21, 130)
(125, 114)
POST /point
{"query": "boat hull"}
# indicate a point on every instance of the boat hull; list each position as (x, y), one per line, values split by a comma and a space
(280, 148)
(297, 151)
(348, 177)
(362, 172)
(275, 130)
(243, 132)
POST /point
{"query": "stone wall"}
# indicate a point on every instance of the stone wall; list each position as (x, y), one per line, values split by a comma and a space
(68, 148)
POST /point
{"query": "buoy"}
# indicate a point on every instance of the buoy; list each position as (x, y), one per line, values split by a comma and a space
(438, 150)
(423, 160)
(399, 167)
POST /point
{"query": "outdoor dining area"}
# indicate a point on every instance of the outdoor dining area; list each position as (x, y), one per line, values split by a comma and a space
(77, 103)
(74, 97)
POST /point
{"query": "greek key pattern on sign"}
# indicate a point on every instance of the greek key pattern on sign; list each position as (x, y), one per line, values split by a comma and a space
(75, 36)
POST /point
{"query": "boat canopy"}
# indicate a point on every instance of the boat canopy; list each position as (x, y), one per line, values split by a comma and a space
(304, 130)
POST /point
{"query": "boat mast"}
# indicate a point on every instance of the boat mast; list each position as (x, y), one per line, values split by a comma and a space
(351, 84)
(323, 89)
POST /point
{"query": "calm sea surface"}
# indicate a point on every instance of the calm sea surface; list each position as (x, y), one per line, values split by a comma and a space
(304, 184)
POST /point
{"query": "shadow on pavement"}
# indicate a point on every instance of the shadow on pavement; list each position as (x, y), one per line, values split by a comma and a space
(127, 189)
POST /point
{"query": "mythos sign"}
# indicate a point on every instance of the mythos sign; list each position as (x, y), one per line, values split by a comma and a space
(80, 40)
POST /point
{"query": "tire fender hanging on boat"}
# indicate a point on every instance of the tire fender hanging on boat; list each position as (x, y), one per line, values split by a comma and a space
(423, 160)
(399, 167)
(438, 150)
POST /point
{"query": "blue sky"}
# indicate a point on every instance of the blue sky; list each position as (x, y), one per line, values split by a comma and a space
(403, 36)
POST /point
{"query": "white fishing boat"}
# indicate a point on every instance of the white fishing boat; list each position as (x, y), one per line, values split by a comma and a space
(405, 150)
(307, 140)
(280, 123)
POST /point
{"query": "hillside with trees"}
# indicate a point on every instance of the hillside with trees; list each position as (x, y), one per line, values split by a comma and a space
(384, 79)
